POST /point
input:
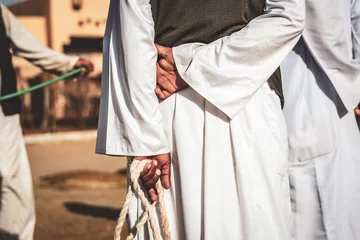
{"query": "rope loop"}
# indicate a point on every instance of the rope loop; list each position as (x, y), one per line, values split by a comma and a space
(135, 167)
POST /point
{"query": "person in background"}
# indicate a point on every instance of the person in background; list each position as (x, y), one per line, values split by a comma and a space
(322, 88)
(17, 210)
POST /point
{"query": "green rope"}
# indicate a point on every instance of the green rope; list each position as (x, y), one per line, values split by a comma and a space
(41, 85)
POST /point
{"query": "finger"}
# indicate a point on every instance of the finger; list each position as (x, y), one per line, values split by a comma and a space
(166, 65)
(162, 94)
(89, 67)
(162, 51)
(159, 93)
(152, 194)
(166, 53)
(84, 72)
(148, 172)
(153, 180)
(145, 170)
(357, 111)
(160, 72)
(166, 94)
(165, 85)
(165, 80)
(169, 75)
(165, 175)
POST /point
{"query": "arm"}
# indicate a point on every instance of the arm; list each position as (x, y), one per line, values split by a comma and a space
(230, 70)
(130, 122)
(355, 28)
(25, 45)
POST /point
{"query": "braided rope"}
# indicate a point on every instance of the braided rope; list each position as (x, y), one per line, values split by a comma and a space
(135, 168)
(161, 206)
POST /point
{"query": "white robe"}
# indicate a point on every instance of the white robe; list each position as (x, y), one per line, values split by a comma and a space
(226, 133)
(17, 209)
(321, 88)
(332, 34)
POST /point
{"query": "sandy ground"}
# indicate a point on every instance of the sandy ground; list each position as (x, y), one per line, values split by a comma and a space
(74, 214)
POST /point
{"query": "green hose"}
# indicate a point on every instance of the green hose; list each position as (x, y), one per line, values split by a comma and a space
(41, 85)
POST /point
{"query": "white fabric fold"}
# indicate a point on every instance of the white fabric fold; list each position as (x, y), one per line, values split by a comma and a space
(355, 28)
(229, 71)
(130, 121)
(328, 34)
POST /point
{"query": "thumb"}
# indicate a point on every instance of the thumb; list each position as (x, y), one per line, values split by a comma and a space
(163, 51)
(165, 175)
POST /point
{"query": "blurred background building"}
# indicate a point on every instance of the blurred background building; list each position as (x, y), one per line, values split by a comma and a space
(74, 27)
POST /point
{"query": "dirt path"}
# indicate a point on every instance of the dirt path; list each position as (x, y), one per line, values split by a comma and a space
(74, 214)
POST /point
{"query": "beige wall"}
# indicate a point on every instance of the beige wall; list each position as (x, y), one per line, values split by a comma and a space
(62, 21)
(66, 22)
(54, 22)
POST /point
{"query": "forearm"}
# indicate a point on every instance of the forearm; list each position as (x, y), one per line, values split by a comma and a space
(25, 45)
(130, 121)
(230, 70)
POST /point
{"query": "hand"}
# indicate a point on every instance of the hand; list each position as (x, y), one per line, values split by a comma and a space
(357, 111)
(87, 65)
(160, 167)
(167, 77)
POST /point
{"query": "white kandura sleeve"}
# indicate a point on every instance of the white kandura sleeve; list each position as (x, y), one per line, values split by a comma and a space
(355, 28)
(26, 45)
(130, 122)
(228, 71)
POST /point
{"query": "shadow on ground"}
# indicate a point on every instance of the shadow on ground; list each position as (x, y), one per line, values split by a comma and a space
(92, 210)
(85, 179)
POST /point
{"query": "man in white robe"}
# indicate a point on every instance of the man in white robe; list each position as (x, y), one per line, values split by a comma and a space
(17, 208)
(225, 133)
(321, 88)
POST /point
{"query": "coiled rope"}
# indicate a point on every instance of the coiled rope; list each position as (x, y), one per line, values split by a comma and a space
(42, 85)
(135, 167)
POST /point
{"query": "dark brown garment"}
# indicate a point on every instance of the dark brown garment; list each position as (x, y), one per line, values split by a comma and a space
(8, 76)
(186, 21)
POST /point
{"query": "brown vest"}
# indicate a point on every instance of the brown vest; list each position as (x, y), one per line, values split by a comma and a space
(186, 21)
(8, 76)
